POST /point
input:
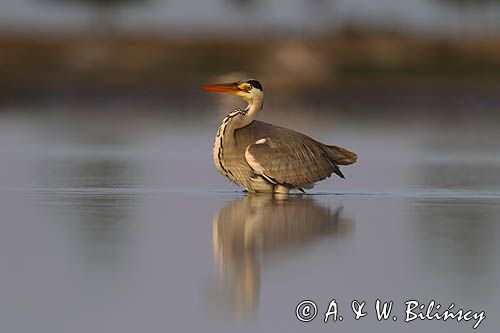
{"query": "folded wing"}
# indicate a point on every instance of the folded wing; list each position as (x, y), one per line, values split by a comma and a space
(292, 159)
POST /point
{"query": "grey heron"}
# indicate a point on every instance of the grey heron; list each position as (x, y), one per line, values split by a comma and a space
(262, 157)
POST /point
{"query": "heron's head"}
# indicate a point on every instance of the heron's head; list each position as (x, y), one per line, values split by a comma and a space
(249, 90)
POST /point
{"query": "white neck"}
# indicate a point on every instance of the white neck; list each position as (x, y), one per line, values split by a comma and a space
(255, 104)
(238, 119)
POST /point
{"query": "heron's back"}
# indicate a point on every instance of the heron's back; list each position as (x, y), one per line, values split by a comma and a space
(280, 155)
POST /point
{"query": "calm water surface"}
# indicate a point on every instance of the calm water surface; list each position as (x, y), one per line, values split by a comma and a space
(118, 222)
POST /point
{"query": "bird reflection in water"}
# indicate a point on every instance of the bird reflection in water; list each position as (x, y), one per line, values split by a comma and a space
(252, 227)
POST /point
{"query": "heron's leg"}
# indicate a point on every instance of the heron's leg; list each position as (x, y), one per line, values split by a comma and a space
(281, 189)
(259, 184)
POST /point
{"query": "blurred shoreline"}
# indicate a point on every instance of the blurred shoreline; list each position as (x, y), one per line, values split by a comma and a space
(37, 68)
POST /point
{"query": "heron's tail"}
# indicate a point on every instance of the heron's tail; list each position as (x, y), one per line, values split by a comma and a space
(342, 156)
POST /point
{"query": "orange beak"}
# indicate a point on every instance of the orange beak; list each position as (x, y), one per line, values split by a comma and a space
(228, 88)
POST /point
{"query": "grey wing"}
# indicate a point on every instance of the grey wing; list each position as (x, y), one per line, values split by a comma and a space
(290, 160)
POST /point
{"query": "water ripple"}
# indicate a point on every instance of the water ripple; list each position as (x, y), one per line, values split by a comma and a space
(445, 194)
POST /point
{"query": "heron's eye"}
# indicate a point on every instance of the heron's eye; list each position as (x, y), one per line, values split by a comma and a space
(245, 87)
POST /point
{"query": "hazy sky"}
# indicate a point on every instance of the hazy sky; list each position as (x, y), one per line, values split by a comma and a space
(200, 15)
